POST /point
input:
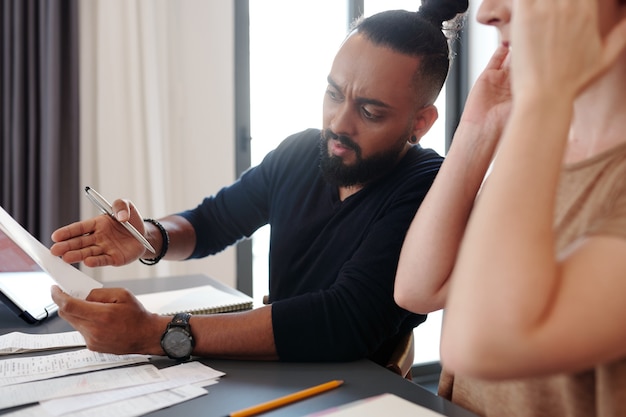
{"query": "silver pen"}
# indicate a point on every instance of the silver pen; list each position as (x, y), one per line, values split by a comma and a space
(106, 208)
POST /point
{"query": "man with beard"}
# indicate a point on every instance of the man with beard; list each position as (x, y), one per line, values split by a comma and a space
(339, 202)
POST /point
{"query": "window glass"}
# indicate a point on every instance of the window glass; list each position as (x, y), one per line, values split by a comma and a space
(292, 45)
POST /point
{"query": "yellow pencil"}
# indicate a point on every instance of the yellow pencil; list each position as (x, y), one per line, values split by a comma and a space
(287, 399)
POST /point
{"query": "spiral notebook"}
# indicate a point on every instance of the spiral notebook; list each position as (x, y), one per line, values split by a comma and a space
(205, 299)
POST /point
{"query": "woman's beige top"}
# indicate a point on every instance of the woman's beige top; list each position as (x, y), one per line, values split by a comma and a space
(591, 200)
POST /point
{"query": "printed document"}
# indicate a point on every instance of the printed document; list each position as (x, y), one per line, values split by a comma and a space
(175, 376)
(18, 342)
(32, 392)
(33, 368)
(132, 407)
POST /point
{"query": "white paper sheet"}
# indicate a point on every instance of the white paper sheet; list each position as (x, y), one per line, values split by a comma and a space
(70, 279)
(189, 373)
(18, 342)
(34, 368)
(380, 405)
(132, 407)
(31, 392)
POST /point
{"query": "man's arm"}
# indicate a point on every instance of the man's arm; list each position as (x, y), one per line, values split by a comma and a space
(102, 241)
(182, 238)
(243, 335)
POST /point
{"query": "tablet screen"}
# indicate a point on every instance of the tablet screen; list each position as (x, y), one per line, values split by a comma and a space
(25, 287)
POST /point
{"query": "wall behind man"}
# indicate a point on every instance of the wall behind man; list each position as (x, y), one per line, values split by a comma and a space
(157, 112)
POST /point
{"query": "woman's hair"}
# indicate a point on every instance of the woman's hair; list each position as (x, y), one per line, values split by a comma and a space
(425, 34)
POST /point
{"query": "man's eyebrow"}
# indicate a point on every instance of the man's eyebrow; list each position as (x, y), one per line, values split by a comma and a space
(361, 100)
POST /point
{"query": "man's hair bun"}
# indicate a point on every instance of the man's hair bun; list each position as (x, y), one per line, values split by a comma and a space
(440, 11)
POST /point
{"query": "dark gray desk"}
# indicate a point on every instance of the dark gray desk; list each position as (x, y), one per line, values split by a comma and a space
(248, 383)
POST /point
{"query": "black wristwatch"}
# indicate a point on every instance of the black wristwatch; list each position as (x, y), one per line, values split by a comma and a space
(177, 341)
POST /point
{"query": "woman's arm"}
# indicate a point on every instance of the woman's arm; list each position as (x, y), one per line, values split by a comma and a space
(432, 242)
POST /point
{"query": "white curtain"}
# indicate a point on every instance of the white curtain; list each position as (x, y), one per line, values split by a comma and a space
(157, 113)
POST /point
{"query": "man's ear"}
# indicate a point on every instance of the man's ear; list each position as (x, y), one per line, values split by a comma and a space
(424, 119)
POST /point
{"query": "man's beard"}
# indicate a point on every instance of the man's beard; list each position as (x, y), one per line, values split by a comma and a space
(363, 171)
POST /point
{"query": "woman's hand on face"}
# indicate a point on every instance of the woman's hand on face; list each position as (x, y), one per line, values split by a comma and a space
(489, 103)
(559, 47)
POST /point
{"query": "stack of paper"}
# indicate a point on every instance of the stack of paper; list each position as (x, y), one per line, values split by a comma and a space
(83, 383)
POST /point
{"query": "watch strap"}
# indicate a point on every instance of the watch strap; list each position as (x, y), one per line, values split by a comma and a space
(181, 320)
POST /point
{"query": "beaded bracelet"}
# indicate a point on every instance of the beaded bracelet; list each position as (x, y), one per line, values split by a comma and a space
(164, 247)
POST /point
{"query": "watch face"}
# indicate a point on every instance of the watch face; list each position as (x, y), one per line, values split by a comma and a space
(177, 343)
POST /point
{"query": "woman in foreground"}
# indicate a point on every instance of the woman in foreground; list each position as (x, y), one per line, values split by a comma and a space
(533, 280)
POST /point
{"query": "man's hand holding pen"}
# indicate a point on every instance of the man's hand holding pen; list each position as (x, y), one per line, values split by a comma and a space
(102, 240)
